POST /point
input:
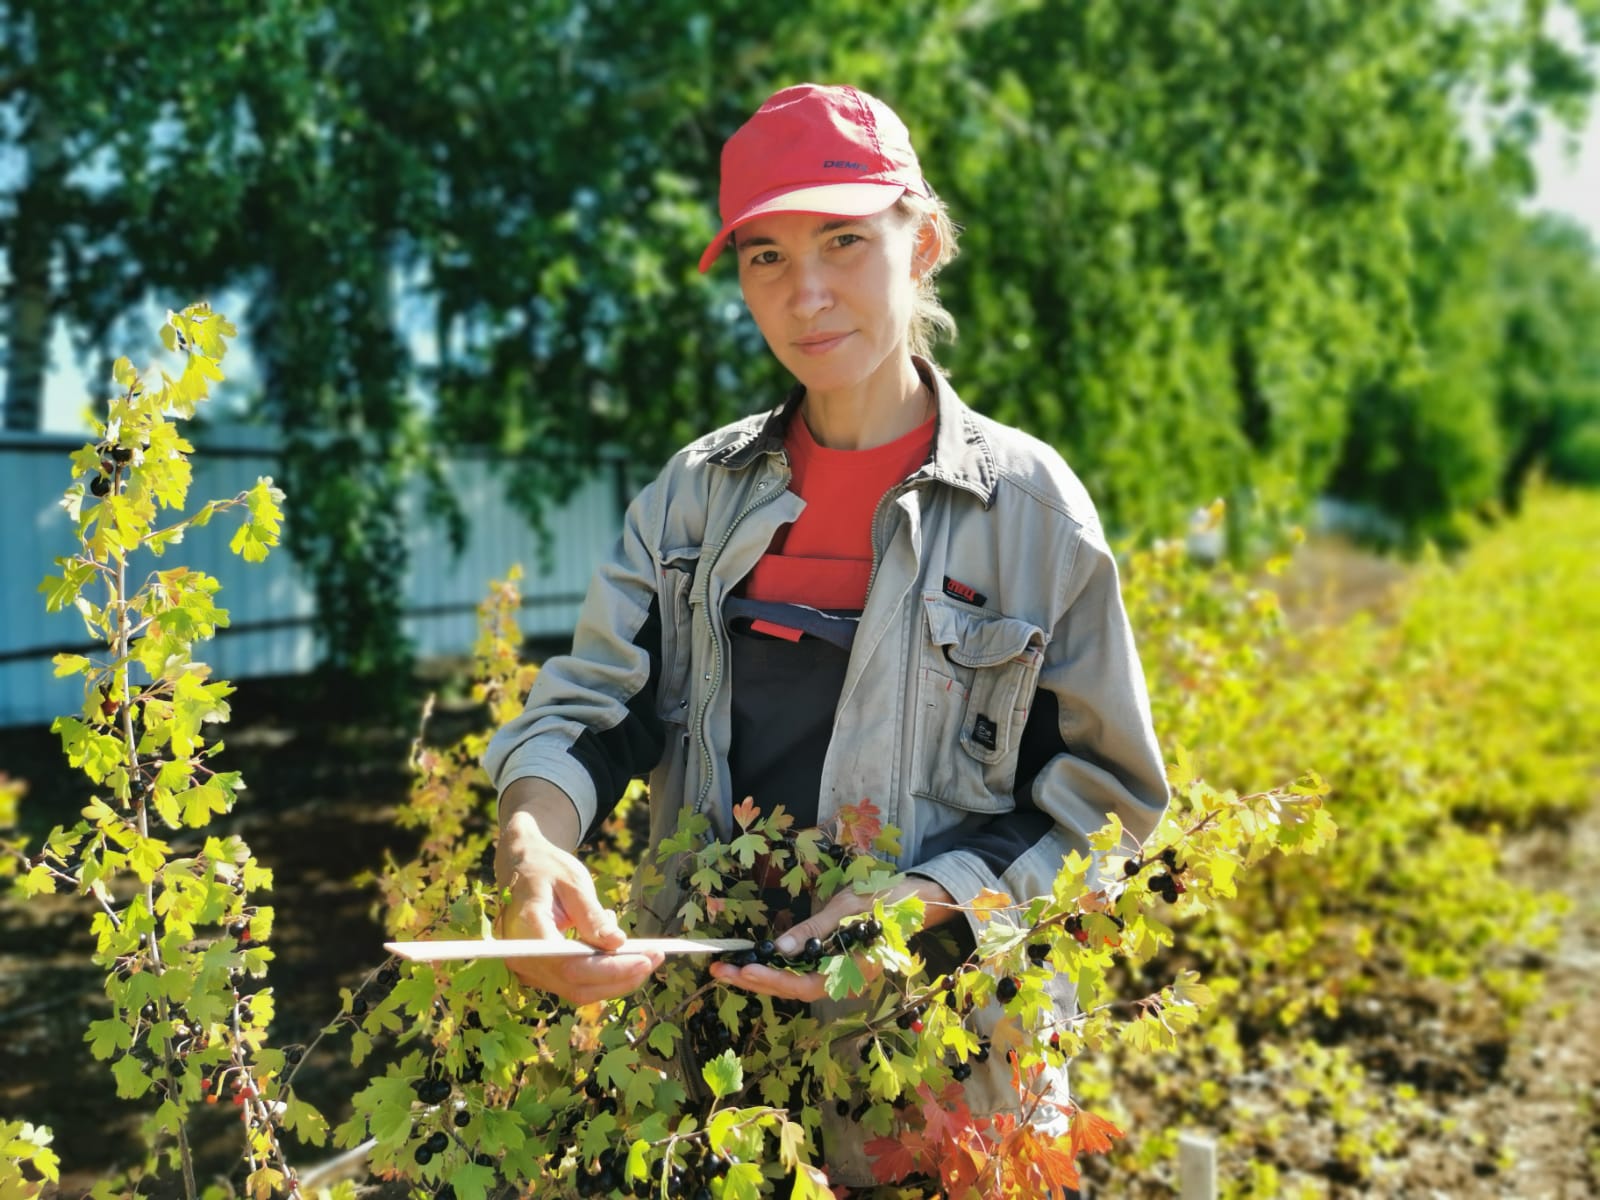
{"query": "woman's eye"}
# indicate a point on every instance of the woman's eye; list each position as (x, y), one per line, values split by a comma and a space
(848, 239)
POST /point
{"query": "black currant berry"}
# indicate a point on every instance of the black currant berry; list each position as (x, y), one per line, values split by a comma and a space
(961, 1072)
(437, 1141)
(463, 1119)
(483, 1160)
(358, 1006)
(1132, 867)
(812, 951)
(842, 1107)
(293, 1055)
(766, 951)
(1038, 952)
(424, 1156)
(1006, 990)
(100, 485)
(121, 454)
(1170, 857)
(745, 958)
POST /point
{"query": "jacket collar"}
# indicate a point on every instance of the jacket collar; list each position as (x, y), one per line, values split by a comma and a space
(961, 454)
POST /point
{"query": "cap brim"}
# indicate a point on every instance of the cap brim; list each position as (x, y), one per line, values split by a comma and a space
(830, 200)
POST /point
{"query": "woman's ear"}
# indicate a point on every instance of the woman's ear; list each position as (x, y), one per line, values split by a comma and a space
(925, 255)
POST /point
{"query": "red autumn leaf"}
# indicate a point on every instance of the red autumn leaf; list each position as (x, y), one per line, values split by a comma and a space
(1045, 1163)
(961, 1167)
(1091, 1134)
(860, 825)
(745, 812)
(947, 1117)
(892, 1159)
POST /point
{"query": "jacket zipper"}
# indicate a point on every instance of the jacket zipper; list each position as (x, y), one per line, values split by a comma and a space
(716, 634)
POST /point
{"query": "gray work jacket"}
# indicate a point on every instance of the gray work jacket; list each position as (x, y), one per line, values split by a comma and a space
(992, 584)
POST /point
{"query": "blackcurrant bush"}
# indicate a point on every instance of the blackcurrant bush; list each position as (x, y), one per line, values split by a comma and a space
(1006, 989)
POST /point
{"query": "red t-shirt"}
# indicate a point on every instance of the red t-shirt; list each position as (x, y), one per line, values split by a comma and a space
(824, 559)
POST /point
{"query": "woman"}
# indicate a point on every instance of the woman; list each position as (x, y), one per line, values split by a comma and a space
(869, 592)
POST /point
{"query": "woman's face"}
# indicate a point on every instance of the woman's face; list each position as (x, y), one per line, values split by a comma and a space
(833, 296)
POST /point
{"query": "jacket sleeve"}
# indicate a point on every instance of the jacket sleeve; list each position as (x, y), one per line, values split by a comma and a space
(590, 722)
(1088, 749)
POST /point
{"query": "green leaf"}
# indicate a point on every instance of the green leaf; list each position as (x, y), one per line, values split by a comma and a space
(386, 1101)
(472, 1182)
(742, 1182)
(106, 1037)
(842, 977)
(132, 1082)
(638, 1168)
(663, 1038)
(724, 1074)
(70, 664)
(305, 1122)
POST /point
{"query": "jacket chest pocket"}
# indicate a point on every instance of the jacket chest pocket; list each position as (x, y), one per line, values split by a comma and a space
(975, 684)
(676, 577)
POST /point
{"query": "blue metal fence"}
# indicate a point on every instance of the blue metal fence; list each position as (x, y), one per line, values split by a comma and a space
(270, 604)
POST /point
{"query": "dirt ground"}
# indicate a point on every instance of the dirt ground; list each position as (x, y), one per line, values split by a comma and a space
(323, 789)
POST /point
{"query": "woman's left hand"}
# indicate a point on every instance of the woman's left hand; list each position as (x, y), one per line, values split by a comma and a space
(808, 985)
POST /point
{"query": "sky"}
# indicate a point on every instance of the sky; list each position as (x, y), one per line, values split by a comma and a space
(1569, 182)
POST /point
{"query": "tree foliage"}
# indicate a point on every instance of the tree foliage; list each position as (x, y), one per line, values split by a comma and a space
(1209, 245)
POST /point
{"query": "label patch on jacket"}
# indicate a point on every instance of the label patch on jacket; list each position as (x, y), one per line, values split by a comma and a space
(984, 732)
(966, 593)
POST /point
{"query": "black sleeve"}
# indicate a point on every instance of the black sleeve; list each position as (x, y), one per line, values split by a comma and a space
(632, 748)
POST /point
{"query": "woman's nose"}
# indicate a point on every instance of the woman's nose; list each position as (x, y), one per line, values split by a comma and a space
(812, 293)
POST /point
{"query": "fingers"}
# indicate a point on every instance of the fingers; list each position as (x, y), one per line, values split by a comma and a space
(787, 985)
(823, 922)
(595, 924)
(586, 980)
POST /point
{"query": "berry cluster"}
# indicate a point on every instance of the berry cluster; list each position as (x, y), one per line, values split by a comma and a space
(854, 935)
(687, 1178)
(1167, 884)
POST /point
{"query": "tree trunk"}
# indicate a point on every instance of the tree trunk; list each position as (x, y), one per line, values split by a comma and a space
(30, 301)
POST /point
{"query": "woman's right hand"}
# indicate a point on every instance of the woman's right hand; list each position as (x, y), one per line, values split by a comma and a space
(551, 892)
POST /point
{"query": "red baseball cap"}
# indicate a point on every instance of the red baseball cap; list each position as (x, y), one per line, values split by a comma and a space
(834, 151)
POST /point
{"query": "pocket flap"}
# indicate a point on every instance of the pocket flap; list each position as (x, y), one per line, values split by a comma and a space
(978, 639)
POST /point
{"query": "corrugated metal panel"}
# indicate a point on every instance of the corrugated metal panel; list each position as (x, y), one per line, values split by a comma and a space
(270, 604)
